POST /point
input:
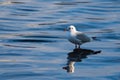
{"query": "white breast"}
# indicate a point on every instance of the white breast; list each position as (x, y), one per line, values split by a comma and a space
(74, 40)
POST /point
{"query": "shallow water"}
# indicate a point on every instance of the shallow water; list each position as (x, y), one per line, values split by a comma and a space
(33, 44)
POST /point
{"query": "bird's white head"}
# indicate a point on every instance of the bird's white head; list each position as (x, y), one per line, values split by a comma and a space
(72, 28)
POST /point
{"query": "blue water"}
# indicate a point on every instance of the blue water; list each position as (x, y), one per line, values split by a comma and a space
(33, 44)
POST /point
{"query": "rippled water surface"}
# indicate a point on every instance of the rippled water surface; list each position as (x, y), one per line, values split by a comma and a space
(33, 44)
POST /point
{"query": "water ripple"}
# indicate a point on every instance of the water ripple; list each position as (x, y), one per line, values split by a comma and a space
(29, 40)
(71, 3)
(10, 2)
(33, 44)
(29, 10)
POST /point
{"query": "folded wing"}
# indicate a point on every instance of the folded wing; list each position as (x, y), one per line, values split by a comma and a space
(82, 37)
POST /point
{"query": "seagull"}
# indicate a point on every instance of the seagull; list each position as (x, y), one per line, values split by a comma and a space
(77, 37)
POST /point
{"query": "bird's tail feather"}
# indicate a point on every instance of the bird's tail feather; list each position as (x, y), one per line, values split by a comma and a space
(96, 39)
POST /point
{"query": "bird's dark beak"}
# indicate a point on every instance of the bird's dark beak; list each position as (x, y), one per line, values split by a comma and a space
(66, 30)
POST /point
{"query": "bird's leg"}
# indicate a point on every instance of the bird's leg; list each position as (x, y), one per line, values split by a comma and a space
(75, 46)
(79, 46)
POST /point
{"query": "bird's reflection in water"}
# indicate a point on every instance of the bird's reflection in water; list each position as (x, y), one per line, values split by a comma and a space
(76, 56)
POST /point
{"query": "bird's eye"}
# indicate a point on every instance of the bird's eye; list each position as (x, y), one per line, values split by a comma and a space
(70, 28)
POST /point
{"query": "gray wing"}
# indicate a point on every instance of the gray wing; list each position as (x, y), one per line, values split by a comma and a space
(82, 37)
